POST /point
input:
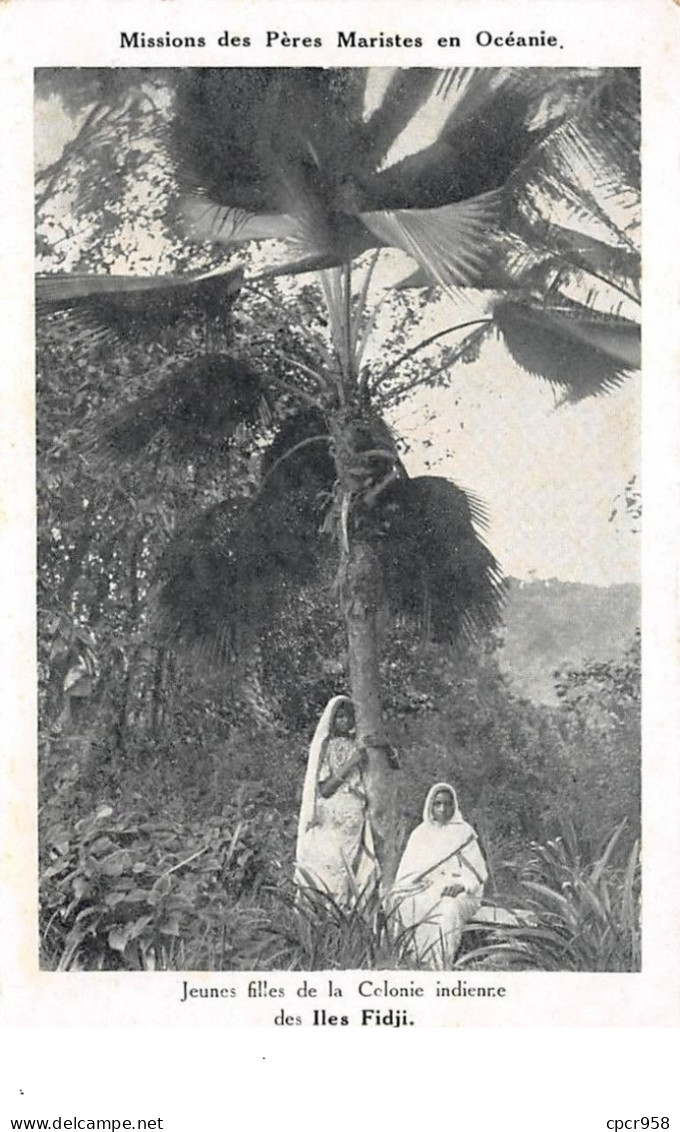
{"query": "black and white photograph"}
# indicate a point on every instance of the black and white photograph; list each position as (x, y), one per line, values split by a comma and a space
(339, 548)
(338, 534)
(338, 519)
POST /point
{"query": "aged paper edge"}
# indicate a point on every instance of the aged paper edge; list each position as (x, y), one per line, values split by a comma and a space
(74, 34)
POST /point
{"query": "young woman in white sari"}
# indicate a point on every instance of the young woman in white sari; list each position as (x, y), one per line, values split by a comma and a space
(440, 881)
(335, 850)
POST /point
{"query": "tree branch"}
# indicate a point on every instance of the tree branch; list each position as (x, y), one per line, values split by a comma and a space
(421, 346)
(399, 393)
(52, 172)
(289, 453)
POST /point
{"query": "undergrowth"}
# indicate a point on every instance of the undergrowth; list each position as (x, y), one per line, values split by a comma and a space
(578, 915)
(141, 890)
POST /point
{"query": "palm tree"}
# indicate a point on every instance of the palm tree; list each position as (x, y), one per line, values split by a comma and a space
(316, 159)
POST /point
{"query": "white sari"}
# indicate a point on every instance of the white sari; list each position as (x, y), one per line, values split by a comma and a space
(438, 856)
(335, 851)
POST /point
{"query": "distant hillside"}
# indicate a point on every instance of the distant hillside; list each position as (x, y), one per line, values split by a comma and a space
(550, 623)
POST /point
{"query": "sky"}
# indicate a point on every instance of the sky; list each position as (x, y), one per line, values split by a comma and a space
(549, 476)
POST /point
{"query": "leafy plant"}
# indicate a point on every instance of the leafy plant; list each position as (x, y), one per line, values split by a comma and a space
(127, 891)
(578, 915)
(314, 932)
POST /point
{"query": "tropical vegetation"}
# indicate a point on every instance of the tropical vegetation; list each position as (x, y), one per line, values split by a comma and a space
(216, 460)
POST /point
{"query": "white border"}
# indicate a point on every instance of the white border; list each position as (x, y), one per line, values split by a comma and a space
(76, 32)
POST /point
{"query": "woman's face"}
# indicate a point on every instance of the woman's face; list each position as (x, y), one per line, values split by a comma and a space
(442, 807)
(343, 722)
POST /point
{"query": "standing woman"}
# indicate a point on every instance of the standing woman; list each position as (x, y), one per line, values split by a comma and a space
(335, 851)
(440, 881)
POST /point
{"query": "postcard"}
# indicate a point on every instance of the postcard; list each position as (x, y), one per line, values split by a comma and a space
(339, 532)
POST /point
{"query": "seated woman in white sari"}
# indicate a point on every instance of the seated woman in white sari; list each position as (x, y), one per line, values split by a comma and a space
(335, 850)
(440, 881)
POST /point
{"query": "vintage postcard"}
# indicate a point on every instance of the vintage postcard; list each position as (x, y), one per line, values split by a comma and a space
(339, 540)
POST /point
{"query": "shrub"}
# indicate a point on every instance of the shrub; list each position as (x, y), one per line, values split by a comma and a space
(138, 892)
(311, 931)
(580, 915)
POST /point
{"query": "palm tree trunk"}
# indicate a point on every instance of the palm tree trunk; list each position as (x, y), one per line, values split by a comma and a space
(361, 590)
(157, 692)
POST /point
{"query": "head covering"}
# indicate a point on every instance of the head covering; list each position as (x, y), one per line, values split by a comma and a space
(309, 789)
(433, 843)
(439, 857)
(444, 788)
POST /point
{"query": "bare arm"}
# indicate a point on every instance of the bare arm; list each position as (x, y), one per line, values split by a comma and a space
(329, 785)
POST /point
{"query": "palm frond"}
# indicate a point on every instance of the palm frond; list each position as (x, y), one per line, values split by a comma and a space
(613, 262)
(492, 128)
(451, 243)
(199, 406)
(288, 153)
(437, 568)
(139, 308)
(248, 137)
(223, 576)
(592, 160)
(203, 220)
(407, 91)
(578, 349)
(299, 455)
(606, 136)
(212, 134)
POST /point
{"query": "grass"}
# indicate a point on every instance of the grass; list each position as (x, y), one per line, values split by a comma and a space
(581, 916)
(123, 892)
(312, 931)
